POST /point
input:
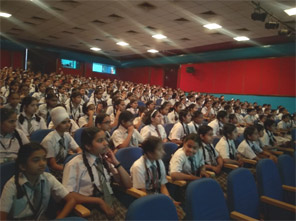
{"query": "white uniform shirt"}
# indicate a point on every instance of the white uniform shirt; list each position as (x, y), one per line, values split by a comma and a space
(178, 131)
(240, 118)
(210, 155)
(181, 163)
(245, 149)
(173, 117)
(120, 134)
(44, 111)
(204, 110)
(73, 112)
(84, 120)
(19, 208)
(283, 125)
(249, 119)
(225, 147)
(36, 125)
(150, 130)
(193, 127)
(267, 139)
(216, 126)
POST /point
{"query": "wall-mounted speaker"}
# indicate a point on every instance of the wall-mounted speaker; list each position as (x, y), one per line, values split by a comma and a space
(190, 70)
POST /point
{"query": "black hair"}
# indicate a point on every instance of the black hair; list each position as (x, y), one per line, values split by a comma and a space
(204, 129)
(49, 90)
(131, 102)
(12, 93)
(23, 155)
(261, 116)
(27, 101)
(100, 118)
(281, 109)
(164, 105)
(148, 115)
(177, 104)
(259, 127)
(228, 129)
(286, 116)
(125, 116)
(249, 131)
(85, 107)
(116, 103)
(269, 123)
(50, 96)
(227, 107)
(149, 145)
(191, 107)
(75, 94)
(5, 114)
(196, 114)
(249, 110)
(149, 102)
(221, 114)
(192, 136)
(183, 114)
(231, 117)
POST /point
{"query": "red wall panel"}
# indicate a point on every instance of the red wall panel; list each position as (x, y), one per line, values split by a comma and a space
(287, 76)
(11, 59)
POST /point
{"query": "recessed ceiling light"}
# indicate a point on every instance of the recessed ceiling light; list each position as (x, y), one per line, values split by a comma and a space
(122, 43)
(95, 49)
(5, 15)
(152, 51)
(159, 36)
(212, 26)
(241, 38)
(291, 11)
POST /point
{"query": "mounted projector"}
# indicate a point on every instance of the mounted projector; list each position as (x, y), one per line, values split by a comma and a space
(284, 32)
(272, 25)
(258, 16)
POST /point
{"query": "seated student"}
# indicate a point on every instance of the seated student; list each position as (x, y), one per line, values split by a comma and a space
(11, 139)
(228, 109)
(192, 108)
(118, 107)
(207, 110)
(74, 108)
(285, 124)
(145, 97)
(164, 110)
(240, 118)
(88, 176)
(96, 97)
(226, 146)
(248, 148)
(62, 94)
(28, 120)
(40, 93)
(250, 117)
(180, 129)
(268, 140)
(150, 105)
(191, 100)
(26, 195)
(88, 119)
(58, 142)
(126, 135)
(138, 121)
(166, 98)
(197, 121)
(215, 107)
(153, 126)
(213, 161)
(13, 102)
(187, 163)
(217, 124)
(293, 121)
(173, 116)
(103, 122)
(44, 109)
(262, 118)
(133, 107)
(265, 153)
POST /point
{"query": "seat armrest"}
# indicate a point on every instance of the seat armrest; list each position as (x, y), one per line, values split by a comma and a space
(176, 182)
(239, 216)
(278, 203)
(230, 166)
(289, 188)
(81, 210)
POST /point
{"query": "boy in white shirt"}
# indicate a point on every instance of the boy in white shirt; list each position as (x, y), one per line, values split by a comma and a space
(180, 129)
(197, 120)
(217, 124)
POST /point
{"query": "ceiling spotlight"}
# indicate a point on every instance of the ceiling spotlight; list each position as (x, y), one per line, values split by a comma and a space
(212, 26)
(284, 32)
(152, 51)
(272, 25)
(5, 15)
(258, 16)
(241, 38)
(122, 43)
(291, 11)
(159, 36)
(95, 49)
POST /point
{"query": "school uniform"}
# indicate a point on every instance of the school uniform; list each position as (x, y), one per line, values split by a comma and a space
(164, 100)
(94, 101)
(16, 109)
(268, 138)
(10, 145)
(151, 130)
(39, 96)
(249, 119)
(73, 127)
(82, 121)
(293, 123)
(28, 126)
(249, 149)
(164, 119)
(173, 117)
(240, 118)
(185, 164)
(284, 125)
(188, 103)
(226, 148)
(210, 155)
(148, 175)
(193, 127)
(279, 116)
(217, 127)
(179, 131)
(47, 186)
(145, 99)
(44, 111)
(133, 111)
(62, 98)
(204, 110)
(120, 134)
(127, 101)
(74, 112)
(58, 146)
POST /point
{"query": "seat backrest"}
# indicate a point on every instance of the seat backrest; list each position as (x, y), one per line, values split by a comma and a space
(286, 166)
(39, 135)
(158, 102)
(238, 140)
(242, 194)
(7, 170)
(205, 201)
(77, 136)
(168, 128)
(293, 134)
(141, 104)
(215, 141)
(169, 149)
(152, 207)
(128, 155)
(268, 179)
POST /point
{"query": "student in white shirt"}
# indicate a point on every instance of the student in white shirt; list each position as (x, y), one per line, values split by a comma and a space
(153, 126)
(103, 122)
(150, 105)
(240, 118)
(164, 110)
(187, 163)
(226, 146)
(180, 129)
(96, 97)
(41, 92)
(118, 107)
(268, 140)
(88, 176)
(207, 110)
(250, 117)
(13, 102)
(74, 107)
(213, 161)
(197, 120)
(293, 121)
(61, 95)
(44, 109)
(285, 124)
(26, 195)
(11, 139)
(59, 142)
(173, 116)
(166, 98)
(133, 107)
(217, 124)
(88, 119)
(262, 119)
(192, 108)
(126, 135)
(28, 121)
